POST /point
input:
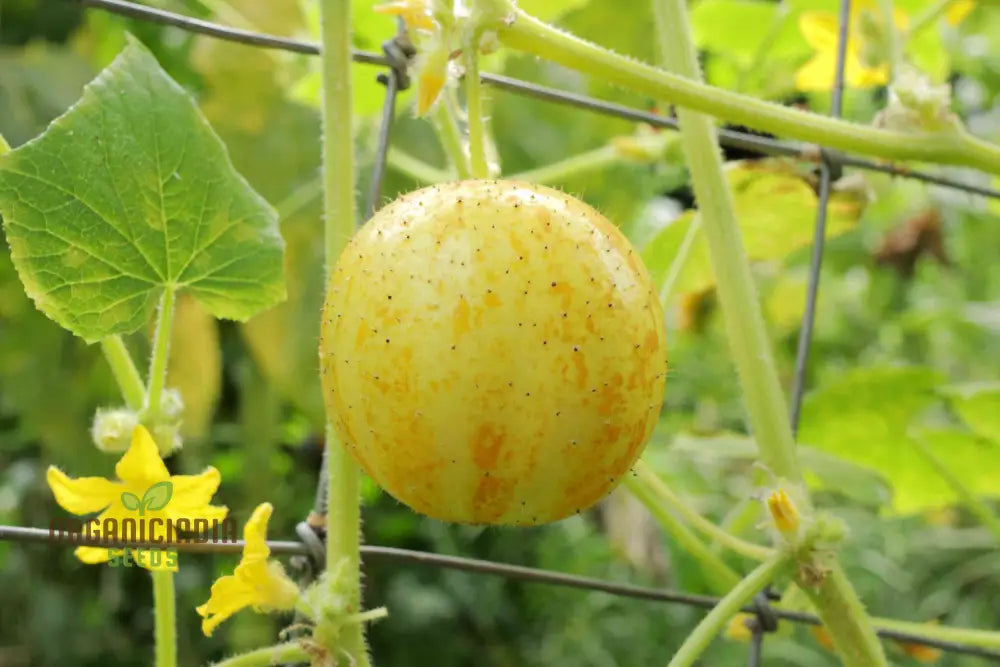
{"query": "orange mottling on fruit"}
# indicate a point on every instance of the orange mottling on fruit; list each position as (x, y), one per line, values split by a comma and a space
(362, 334)
(492, 498)
(486, 445)
(512, 377)
(580, 363)
(492, 300)
(460, 320)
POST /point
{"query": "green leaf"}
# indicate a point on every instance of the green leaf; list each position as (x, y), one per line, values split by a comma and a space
(979, 407)
(130, 501)
(131, 192)
(822, 469)
(157, 496)
(776, 209)
(867, 415)
(721, 26)
(4, 146)
(971, 461)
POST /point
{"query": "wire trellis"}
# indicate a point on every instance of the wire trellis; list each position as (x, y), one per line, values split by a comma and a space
(397, 53)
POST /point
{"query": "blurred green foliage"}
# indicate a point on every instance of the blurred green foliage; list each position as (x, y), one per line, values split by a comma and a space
(907, 345)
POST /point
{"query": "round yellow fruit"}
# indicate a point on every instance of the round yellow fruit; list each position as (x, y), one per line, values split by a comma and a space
(492, 352)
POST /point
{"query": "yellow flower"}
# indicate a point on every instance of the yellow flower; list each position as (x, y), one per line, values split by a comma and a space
(783, 512)
(820, 30)
(145, 505)
(415, 13)
(256, 582)
(738, 630)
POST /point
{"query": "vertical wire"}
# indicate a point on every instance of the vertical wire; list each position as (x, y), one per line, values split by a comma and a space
(391, 82)
(819, 237)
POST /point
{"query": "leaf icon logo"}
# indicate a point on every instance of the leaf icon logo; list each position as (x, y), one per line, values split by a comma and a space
(155, 498)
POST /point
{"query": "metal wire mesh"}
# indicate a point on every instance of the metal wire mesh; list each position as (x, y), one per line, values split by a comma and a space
(395, 79)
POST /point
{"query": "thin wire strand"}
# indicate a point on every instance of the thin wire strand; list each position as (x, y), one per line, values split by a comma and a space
(515, 572)
(819, 237)
(728, 138)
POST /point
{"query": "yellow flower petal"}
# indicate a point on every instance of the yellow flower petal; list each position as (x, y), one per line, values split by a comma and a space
(817, 73)
(92, 555)
(228, 596)
(255, 534)
(957, 11)
(191, 495)
(256, 582)
(141, 465)
(83, 495)
(819, 29)
(414, 13)
(738, 630)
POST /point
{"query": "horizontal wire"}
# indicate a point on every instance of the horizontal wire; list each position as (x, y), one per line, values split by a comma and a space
(516, 572)
(728, 138)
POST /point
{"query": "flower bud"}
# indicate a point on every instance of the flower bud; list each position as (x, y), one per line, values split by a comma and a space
(112, 429)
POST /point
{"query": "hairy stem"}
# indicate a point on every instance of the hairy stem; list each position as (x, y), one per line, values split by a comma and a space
(450, 136)
(748, 340)
(164, 613)
(161, 354)
(729, 606)
(659, 489)
(721, 575)
(126, 374)
(528, 34)
(834, 598)
(845, 619)
(269, 655)
(343, 525)
(474, 111)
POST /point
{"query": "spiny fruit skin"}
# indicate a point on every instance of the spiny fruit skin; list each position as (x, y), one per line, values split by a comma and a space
(492, 352)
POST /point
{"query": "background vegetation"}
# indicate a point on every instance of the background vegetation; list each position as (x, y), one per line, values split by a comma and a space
(905, 358)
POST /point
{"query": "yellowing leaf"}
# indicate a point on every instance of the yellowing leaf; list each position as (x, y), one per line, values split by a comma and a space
(776, 210)
(195, 365)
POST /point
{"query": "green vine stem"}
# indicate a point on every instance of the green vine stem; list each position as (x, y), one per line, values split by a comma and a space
(474, 110)
(927, 18)
(893, 45)
(126, 374)
(729, 606)
(748, 339)
(593, 160)
(971, 637)
(530, 35)
(415, 168)
(161, 355)
(165, 618)
(720, 575)
(844, 618)
(833, 595)
(451, 137)
(269, 655)
(976, 506)
(659, 489)
(343, 522)
(680, 260)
